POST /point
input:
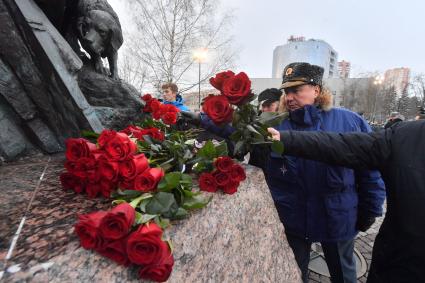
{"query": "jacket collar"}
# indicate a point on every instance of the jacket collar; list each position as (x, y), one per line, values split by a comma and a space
(178, 102)
(306, 116)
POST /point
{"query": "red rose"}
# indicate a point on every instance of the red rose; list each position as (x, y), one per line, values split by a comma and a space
(147, 97)
(77, 148)
(158, 272)
(237, 89)
(151, 105)
(127, 184)
(221, 178)
(105, 136)
(93, 189)
(155, 105)
(71, 182)
(131, 168)
(231, 187)
(85, 167)
(165, 108)
(115, 250)
(145, 246)
(220, 78)
(106, 187)
(108, 169)
(134, 131)
(119, 147)
(154, 133)
(217, 107)
(207, 183)
(169, 118)
(224, 163)
(117, 222)
(87, 229)
(237, 173)
(148, 180)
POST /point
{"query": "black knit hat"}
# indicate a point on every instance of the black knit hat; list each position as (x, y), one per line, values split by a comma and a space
(301, 73)
(269, 95)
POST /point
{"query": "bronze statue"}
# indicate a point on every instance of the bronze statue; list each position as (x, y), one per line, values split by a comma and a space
(99, 32)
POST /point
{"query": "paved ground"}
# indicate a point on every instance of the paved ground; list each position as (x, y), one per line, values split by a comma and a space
(364, 243)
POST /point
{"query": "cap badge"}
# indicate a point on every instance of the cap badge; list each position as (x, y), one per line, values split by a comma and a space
(288, 71)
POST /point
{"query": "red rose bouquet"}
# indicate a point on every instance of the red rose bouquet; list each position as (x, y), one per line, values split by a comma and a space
(234, 106)
(142, 169)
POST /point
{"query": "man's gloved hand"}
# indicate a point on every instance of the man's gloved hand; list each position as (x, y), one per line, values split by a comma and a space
(364, 222)
(191, 117)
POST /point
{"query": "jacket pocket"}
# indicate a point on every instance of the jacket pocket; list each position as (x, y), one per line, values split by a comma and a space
(341, 211)
(339, 178)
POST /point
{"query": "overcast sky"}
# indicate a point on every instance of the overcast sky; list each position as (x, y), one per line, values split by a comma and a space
(373, 35)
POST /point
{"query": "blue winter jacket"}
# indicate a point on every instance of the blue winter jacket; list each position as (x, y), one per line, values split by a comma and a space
(317, 201)
(179, 103)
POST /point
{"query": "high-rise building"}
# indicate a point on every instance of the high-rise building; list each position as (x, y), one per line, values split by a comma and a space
(397, 78)
(344, 68)
(313, 51)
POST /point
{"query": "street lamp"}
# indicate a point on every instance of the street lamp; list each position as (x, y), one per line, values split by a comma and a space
(200, 55)
(378, 81)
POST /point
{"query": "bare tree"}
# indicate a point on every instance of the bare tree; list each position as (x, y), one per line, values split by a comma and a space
(132, 71)
(418, 87)
(167, 33)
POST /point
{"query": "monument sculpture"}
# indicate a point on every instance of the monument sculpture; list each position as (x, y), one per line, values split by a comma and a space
(49, 89)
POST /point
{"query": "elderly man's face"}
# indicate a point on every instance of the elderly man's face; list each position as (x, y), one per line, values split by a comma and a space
(300, 96)
(270, 107)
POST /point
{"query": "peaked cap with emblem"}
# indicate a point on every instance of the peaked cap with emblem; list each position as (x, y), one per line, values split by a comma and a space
(301, 73)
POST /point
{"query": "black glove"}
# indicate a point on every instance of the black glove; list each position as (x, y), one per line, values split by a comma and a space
(191, 117)
(364, 222)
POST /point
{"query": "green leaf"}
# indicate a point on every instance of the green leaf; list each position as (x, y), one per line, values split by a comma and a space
(162, 222)
(271, 119)
(186, 181)
(90, 135)
(239, 147)
(196, 201)
(162, 185)
(236, 135)
(138, 216)
(143, 204)
(277, 146)
(118, 201)
(146, 218)
(173, 179)
(236, 118)
(130, 193)
(162, 203)
(221, 149)
(208, 150)
(181, 213)
(148, 139)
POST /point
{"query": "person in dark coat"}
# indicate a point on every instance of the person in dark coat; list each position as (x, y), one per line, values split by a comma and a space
(399, 153)
(317, 202)
(268, 101)
(421, 114)
(394, 118)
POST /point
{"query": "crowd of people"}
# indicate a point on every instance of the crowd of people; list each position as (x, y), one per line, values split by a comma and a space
(334, 176)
